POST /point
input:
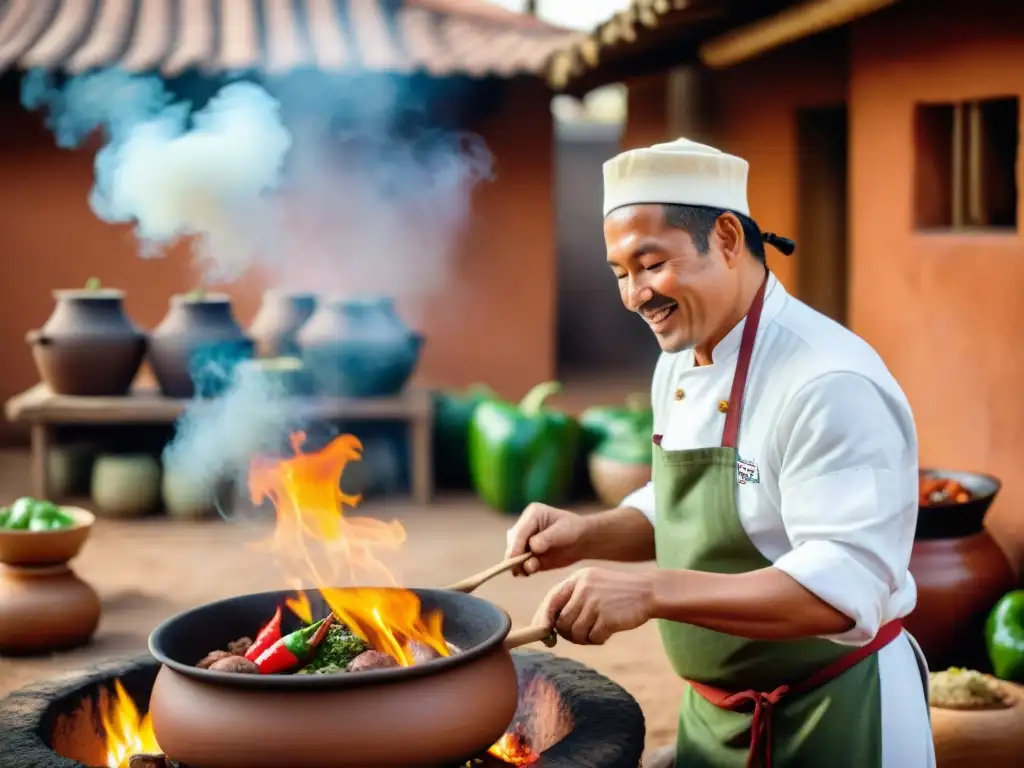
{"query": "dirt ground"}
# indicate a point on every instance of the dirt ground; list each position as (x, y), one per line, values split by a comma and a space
(147, 570)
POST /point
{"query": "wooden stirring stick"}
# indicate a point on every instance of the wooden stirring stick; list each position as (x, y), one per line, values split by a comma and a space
(470, 584)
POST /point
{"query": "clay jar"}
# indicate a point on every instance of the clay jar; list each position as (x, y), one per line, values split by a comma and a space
(197, 345)
(125, 486)
(960, 572)
(279, 319)
(45, 609)
(88, 346)
(44, 606)
(359, 348)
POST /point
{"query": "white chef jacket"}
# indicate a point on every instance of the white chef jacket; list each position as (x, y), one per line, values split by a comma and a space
(827, 453)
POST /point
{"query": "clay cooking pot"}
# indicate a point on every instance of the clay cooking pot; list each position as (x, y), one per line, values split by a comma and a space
(359, 348)
(197, 346)
(88, 346)
(442, 712)
(279, 319)
(960, 572)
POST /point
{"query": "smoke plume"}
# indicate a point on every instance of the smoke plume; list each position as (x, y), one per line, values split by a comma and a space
(336, 185)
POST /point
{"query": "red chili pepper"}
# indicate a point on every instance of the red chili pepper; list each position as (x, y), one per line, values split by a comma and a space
(269, 635)
(290, 649)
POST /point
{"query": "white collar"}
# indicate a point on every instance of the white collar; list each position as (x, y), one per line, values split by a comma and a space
(774, 299)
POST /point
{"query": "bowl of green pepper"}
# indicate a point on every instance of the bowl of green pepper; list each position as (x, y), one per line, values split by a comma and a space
(39, 532)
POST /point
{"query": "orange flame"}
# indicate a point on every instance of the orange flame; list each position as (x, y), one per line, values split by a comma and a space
(299, 605)
(125, 732)
(321, 542)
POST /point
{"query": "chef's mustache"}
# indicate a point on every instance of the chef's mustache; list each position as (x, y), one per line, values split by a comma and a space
(654, 304)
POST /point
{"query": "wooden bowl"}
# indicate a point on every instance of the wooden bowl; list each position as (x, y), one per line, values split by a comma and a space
(980, 738)
(22, 548)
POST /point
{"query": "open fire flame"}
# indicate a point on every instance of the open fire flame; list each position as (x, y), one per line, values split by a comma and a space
(125, 732)
(324, 547)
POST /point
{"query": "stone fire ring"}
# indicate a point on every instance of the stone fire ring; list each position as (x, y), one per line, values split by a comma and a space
(608, 725)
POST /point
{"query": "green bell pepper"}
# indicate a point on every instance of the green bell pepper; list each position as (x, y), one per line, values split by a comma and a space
(522, 453)
(603, 421)
(630, 442)
(453, 412)
(1004, 637)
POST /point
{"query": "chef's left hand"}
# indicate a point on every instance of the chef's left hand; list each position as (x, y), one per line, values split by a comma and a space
(595, 603)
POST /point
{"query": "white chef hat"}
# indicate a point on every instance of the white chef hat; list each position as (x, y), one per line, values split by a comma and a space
(680, 172)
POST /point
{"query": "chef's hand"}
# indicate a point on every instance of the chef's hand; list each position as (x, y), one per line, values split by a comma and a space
(552, 535)
(595, 603)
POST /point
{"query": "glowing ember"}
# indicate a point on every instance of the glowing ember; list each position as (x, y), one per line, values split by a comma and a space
(514, 749)
(125, 732)
(320, 541)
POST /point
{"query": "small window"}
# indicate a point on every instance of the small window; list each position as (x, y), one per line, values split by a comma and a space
(966, 164)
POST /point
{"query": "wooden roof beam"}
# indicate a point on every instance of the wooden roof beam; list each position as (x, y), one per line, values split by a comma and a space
(785, 27)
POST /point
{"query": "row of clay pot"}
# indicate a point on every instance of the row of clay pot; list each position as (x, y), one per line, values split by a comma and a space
(124, 485)
(132, 485)
(90, 347)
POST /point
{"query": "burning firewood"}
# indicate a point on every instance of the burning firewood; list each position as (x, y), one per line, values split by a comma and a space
(148, 761)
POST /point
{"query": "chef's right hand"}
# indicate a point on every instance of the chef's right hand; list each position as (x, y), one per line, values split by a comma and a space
(554, 537)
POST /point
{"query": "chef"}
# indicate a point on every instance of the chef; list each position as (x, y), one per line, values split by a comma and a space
(783, 502)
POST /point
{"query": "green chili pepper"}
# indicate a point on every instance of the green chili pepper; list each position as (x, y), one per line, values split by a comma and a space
(522, 453)
(44, 515)
(453, 412)
(1004, 637)
(288, 651)
(21, 514)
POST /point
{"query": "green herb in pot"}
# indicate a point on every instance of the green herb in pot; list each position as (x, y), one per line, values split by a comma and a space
(335, 652)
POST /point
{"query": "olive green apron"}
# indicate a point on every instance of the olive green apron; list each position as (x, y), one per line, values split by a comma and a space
(838, 723)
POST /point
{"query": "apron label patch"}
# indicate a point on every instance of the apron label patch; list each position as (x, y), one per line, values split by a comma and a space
(747, 472)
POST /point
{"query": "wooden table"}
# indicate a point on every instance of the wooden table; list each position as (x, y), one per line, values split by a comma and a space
(43, 410)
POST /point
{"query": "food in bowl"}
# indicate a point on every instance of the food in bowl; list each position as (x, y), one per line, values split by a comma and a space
(29, 514)
(937, 491)
(957, 688)
(325, 647)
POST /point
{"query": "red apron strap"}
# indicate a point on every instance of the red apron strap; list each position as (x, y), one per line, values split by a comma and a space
(739, 379)
(761, 724)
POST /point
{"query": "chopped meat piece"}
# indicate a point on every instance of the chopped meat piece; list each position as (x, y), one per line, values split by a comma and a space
(237, 664)
(212, 657)
(368, 660)
(240, 646)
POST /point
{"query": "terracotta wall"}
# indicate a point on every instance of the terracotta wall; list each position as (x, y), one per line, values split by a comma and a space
(757, 103)
(646, 111)
(754, 105)
(476, 324)
(944, 310)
